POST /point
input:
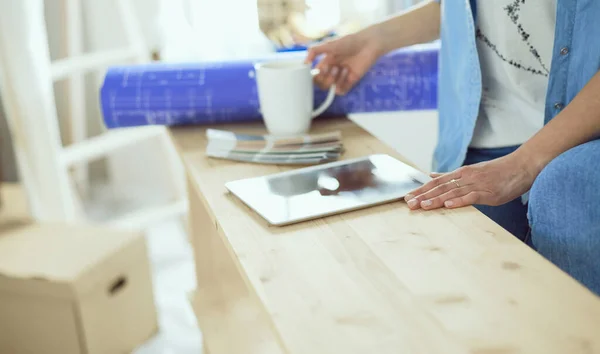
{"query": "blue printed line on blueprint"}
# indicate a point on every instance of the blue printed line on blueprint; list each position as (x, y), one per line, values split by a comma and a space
(206, 93)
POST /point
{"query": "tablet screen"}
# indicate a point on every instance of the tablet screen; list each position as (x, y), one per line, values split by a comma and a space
(327, 189)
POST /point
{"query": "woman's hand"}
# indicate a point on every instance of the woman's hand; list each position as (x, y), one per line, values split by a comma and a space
(489, 183)
(346, 60)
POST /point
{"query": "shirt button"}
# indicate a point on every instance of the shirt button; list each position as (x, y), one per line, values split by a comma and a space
(558, 106)
(564, 51)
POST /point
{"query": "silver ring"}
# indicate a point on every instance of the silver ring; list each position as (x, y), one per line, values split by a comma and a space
(455, 182)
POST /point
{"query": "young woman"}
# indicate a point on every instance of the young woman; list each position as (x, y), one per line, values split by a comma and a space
(519, 106)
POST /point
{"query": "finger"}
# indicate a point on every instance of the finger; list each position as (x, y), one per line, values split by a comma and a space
(315, 51)
(349, 83)
(324, 67)
(344, 86)
(439, 201)
(463, 201)
(435, 174)
(331, 77)
(447, 177)
(435, 192)
(417, 201)
(311, 55)
(341, 80)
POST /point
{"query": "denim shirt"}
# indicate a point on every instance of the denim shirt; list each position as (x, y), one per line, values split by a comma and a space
(575, 60)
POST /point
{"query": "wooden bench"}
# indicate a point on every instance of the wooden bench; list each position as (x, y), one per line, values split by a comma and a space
(379, 280)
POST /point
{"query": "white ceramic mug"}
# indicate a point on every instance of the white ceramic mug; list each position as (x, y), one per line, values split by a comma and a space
(286, 95)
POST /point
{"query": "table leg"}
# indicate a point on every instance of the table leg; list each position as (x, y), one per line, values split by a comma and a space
(229, 313)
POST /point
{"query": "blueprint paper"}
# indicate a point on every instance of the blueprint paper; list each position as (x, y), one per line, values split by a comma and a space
(223, 92)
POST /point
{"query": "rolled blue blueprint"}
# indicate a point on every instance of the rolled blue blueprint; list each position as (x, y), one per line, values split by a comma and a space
(223, 92)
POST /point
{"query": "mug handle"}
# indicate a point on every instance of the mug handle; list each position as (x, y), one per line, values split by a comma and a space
(328, 101)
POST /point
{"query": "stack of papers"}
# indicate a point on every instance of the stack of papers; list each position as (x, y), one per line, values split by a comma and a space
(266, 149)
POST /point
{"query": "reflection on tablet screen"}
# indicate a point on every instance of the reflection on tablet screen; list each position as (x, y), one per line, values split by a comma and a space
(328, 189)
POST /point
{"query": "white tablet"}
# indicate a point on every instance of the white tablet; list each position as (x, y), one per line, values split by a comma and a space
(327, 189)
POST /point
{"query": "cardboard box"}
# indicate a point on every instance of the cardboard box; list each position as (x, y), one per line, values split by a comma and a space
(74, 289)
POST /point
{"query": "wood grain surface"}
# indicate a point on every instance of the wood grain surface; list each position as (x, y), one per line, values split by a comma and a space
(379, 280)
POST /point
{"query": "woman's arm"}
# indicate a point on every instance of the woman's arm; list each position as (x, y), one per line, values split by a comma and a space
(419, 24)
(578, 123)
(347, 59)
(499, 181)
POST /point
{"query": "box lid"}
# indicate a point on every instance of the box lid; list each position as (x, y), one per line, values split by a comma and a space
(50, 258)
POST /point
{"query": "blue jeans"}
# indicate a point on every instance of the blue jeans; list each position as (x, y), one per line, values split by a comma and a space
(562, 218)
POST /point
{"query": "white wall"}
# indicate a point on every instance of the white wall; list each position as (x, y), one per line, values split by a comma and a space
(413, 134)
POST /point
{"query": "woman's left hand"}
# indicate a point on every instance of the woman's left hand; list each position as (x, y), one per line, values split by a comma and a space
(493, 182)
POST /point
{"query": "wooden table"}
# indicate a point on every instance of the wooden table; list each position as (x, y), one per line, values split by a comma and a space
(380, 280)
